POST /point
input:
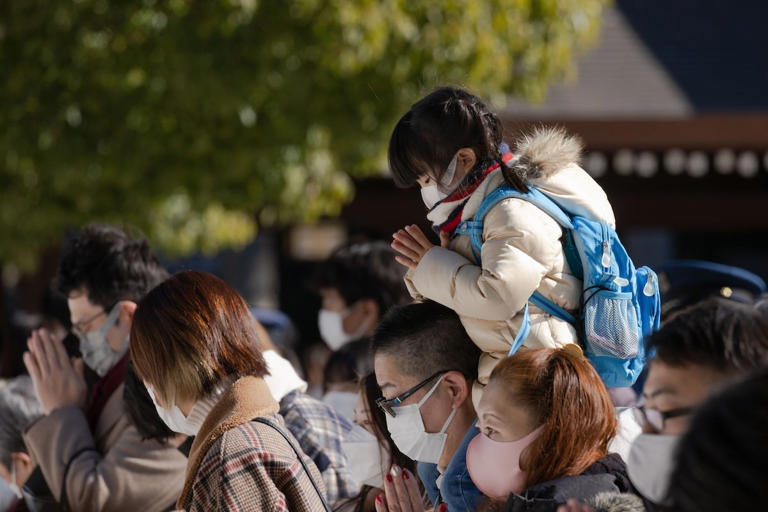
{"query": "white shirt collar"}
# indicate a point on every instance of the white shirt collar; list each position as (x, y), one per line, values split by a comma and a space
(282, 378)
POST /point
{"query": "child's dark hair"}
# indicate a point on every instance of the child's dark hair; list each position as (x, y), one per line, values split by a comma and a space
(427, 137)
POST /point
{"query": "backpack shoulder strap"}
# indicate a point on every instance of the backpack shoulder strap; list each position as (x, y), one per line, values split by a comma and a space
(299, 454)
(474, 228)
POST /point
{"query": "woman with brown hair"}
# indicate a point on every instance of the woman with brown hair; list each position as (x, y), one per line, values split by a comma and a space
(546, 421)
(194, 344)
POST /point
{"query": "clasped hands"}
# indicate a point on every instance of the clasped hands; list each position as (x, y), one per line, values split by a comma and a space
(412, 244)
(58, 379)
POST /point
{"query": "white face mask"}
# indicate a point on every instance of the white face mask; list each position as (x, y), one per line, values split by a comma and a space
(174, 418)
(95, 349)
(367, 461)
(411, 437)
(343, 402)
(650, 464)
(331, 325)
(433, 194)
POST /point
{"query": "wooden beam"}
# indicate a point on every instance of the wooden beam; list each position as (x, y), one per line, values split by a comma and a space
(703, 132)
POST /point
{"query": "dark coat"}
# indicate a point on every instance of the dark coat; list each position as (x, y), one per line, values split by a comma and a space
(607, 475)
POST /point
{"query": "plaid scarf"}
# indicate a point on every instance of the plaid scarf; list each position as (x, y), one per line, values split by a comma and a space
(451, 211)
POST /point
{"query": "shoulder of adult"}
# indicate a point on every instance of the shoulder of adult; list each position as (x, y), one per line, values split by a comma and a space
(313, 411)
(114, 417)
(611, 464)
(256, 438)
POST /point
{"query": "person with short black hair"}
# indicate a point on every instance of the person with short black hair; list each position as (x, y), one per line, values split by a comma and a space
(85, 444)
(425, 365)
(699, 350)
(109, 265)
(358, 284)
(722, 461)
(726, 336)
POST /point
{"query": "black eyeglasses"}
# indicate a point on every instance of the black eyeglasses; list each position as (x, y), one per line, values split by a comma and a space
(656, 418)
(387, 405)
(78, 329)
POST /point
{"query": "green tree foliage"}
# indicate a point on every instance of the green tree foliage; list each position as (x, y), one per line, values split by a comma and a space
(198, 120)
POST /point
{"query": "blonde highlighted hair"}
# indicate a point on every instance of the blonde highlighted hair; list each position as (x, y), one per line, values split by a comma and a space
(191, 332)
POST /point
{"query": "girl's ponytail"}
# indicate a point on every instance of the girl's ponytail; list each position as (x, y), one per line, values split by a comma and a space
(563, 392)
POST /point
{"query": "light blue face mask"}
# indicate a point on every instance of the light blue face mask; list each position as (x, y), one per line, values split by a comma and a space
(96, 351)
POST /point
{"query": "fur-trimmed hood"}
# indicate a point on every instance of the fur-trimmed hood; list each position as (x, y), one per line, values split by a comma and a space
(615, 502)
(545, 151)
(548, 159)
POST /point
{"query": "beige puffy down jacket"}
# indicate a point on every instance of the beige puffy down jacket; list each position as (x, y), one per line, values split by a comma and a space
(521, 253)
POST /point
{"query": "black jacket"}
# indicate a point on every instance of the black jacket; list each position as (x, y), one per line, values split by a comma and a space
(607, 475)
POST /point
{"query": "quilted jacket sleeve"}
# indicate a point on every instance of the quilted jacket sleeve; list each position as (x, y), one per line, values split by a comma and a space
(520, 245)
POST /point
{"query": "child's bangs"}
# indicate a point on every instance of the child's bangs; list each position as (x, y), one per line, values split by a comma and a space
(407, 155)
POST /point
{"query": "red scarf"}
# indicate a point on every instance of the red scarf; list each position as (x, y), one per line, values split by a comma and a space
(462, 193)
(103, 389)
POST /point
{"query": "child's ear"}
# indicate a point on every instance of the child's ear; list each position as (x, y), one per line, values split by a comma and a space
(466, 160)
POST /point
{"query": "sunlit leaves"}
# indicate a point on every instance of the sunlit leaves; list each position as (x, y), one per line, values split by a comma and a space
(200, 121)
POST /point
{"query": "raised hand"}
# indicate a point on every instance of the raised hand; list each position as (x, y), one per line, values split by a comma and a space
(401, 493)
(58, 381)
(412, 245)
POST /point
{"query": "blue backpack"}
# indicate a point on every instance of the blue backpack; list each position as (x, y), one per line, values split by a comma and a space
(620, 304)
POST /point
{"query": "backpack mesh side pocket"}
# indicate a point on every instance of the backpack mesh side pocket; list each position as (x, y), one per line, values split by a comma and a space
(610, 325)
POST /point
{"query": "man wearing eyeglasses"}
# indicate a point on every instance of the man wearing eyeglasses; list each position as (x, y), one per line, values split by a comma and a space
(425, 365)
(698, 351)
(90, 454)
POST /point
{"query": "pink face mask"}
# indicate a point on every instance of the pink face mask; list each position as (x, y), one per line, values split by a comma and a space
(494, 466)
